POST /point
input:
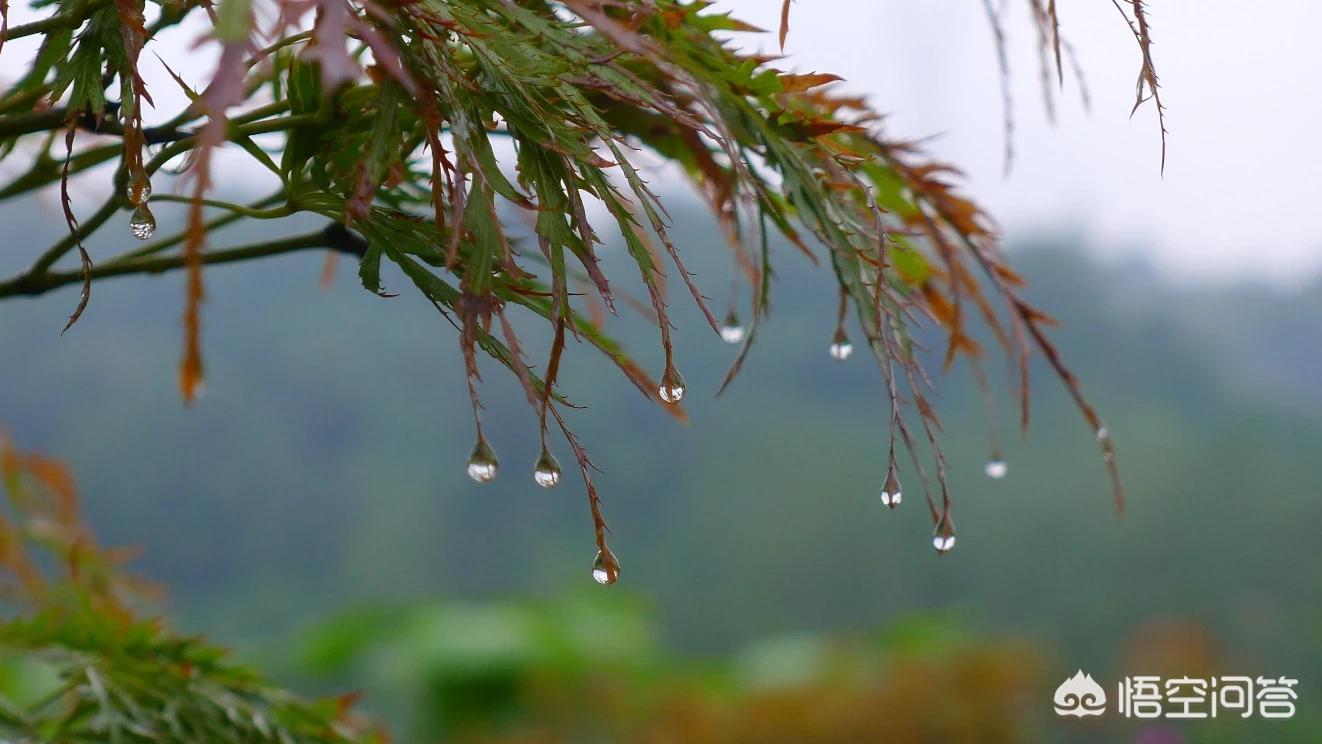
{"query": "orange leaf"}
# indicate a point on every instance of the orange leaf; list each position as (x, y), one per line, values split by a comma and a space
(784, 23)
(800, 83)
(810, 129)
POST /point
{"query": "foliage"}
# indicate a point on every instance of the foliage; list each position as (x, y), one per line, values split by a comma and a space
(471, 142)
(77, 663)
(589, 670)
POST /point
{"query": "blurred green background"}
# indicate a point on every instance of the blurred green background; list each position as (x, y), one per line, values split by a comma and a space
(313, 511)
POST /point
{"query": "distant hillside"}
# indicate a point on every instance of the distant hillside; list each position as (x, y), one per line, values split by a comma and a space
(325, 465)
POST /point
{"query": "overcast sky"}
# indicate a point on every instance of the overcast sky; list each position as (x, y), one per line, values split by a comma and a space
(1240, 82)
(1242, 92)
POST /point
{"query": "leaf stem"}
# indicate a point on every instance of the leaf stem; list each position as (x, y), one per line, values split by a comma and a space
(85, 229)
(211, 226)
(284, 210)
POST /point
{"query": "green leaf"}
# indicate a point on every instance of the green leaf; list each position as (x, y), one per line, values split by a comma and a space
(234, 21)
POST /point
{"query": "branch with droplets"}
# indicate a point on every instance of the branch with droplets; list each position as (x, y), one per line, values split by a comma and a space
(376, 148)
(133, 195)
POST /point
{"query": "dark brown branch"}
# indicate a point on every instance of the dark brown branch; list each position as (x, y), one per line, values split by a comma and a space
(45, 121)
(70, 19)
(334, 237)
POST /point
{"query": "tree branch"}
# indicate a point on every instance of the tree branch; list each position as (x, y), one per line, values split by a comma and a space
(46, 170)
(116, 199)
(69, 19)
(43, 121)
(335, 237)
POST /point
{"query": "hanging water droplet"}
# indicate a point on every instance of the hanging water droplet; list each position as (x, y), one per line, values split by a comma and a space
(1103, 434)
(890, 492)
(943, 543)
(142, 224)
(603, 572)
(546, 471)
(672, 386)
(482, 464)
(840, 347)
(731, 331)
(996, 468)
(138, 189)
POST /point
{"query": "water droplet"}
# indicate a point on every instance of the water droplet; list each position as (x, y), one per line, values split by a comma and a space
(731, 331)
(142, 224)
(139, 189)
(482, 464)
(672, 386)
(841, 348)
(1103, 434)
(546, 471)
(890, 493)
(604, 573)
(996, 468)
(943, 543)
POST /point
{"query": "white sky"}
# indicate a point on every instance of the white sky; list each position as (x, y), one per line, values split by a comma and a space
(1241, 182)
(1240, 83)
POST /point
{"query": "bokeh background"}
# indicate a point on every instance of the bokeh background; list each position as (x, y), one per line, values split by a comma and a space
(312, 510)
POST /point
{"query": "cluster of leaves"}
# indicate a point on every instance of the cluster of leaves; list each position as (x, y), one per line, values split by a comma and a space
(94, 670)
(523, 672)
(468, 143)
